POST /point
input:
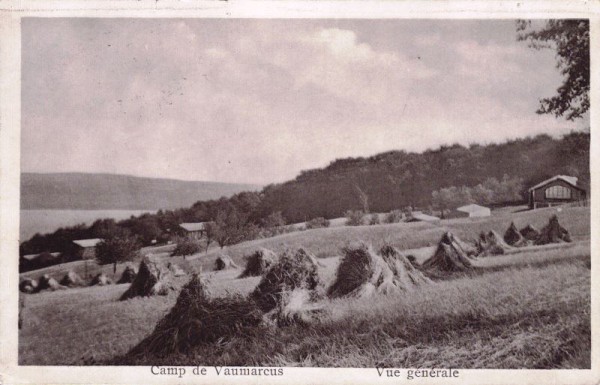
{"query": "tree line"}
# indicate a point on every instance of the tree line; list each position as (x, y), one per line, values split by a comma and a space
(487, 174)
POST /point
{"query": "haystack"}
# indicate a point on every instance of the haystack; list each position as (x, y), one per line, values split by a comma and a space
(46, 282)
(258, 263)
(470, 249)
(513, 236)
(553, 232)
(28, 285)
(293, 270)
(101, 280)
(530, 233)
(72, 279)
(406, 276)
(176, 270)
(448, 256)
(362, 272)
(196, 319)
(128, 275)
(492, 244)
(151, 279)
(224, 262)
(296, 307)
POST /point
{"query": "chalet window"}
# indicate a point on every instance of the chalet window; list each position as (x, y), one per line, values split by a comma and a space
(558, 192)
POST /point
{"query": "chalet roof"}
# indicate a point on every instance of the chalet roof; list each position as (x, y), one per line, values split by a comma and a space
(572, 180)
(472, 208)
(88, 242)
(423, 217)
(197, 226)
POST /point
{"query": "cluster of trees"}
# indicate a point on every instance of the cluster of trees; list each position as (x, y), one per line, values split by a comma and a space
(491, 192)
(380, 183)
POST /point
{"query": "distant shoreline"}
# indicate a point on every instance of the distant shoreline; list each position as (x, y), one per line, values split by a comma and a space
(45, 221)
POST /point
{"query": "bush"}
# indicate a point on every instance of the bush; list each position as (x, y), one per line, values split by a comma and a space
(394, 216)
(354, 218)
(374, 219)
(186, 246)
(317, 223)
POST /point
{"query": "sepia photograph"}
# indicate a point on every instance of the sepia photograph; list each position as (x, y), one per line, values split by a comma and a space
(407, 195)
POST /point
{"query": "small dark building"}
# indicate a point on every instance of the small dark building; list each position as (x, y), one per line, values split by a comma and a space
(194, 230)
(86, 248)
(39, 261)
(557, 190)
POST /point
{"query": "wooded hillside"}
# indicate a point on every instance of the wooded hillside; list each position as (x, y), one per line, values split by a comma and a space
(398, 179)
(381, 183)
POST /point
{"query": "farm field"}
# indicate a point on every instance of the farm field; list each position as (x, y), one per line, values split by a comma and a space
(47, 221)
(527, 309)
(327, 242)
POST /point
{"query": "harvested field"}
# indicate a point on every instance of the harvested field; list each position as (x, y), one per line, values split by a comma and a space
(510, 319)
(328, 242)
(545, 292)
(527, 308)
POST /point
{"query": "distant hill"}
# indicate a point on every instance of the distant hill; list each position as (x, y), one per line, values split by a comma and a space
(81, 191)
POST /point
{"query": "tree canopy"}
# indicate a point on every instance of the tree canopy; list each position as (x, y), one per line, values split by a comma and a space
(571, 40)
(119, 248)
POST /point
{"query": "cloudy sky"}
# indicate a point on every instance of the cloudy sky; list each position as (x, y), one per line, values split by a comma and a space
(260, 100)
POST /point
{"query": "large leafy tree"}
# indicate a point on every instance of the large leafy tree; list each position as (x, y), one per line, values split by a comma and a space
(571, 40)
(119, 248)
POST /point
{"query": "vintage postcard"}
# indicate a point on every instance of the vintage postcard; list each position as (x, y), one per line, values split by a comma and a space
(299, 192)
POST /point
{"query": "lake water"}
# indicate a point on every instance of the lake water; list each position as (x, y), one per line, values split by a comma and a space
(47, 221)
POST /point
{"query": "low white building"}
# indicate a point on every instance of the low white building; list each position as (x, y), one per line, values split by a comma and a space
(472, 211)
(417, 216)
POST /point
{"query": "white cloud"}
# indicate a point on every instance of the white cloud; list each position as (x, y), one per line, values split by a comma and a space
(485, 62)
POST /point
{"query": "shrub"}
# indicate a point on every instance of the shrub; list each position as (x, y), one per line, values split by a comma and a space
(354, 218)
(374, 219)
(186, 246)
(317, 223)
(394, 216)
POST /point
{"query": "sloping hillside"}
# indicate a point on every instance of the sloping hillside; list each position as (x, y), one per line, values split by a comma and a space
(398, 179)
(79, 191)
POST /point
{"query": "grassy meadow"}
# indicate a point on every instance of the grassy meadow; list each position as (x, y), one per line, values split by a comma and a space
(529, 308)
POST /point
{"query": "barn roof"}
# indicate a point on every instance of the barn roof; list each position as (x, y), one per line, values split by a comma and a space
(198, 226)
(87, 242)
(572, 180)
(472, 208)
